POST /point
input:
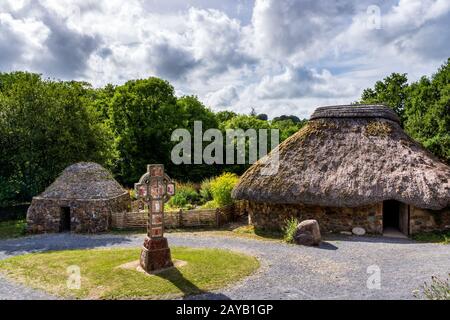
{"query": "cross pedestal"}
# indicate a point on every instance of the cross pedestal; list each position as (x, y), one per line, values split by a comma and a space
(153, 190)
(155, 254)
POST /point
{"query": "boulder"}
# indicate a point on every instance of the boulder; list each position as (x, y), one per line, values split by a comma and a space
(359, 231)
(308, 233)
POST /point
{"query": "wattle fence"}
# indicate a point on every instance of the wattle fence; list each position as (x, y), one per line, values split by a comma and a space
(176, 219)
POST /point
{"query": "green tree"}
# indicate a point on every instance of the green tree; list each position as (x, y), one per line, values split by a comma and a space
(45, 126)
(391, 91)
(287, 127)
(223, 116)
(423, 107)
(427, 112)
(191, 110)
(143, 115)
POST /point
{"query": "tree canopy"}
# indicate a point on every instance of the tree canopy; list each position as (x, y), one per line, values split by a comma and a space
(47, 125)
(44, 127)
(423, 107)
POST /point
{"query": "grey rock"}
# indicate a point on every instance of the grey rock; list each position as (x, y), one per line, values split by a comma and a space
(359, 231)
(308, 233)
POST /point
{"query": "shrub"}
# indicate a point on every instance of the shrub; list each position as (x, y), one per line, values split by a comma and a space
(132, 193)
(210, 205)
(186, 196)
(205, 190)
(221, 188)
(289, 229)
(438, 289)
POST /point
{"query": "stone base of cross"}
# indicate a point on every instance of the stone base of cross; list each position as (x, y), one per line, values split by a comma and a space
(153, 190)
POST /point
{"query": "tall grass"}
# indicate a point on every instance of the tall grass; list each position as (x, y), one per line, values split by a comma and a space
(289, 229)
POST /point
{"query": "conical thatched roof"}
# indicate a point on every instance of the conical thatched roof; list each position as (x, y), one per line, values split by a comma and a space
(84, 181)
(348, 156)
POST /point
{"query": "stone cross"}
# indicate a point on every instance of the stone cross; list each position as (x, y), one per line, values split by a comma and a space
(153, 190)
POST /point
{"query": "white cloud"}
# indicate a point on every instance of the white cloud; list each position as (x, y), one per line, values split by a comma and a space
(223, 98)
(279, 56)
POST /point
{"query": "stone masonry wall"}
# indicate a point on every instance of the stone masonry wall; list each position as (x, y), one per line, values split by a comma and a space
(86, 216)
(272, 216)
(423, 220)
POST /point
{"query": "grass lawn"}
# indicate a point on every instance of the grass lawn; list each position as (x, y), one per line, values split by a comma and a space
(102, 278)
(12, 229)
(442, 237)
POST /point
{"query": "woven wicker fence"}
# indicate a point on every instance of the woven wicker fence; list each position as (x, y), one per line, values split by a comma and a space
(175, 219)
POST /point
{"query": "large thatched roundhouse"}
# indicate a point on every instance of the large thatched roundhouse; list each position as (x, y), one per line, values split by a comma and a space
(350, 166)
(82, 199)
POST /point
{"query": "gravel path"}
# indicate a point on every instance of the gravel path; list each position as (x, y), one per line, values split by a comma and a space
(335, 270)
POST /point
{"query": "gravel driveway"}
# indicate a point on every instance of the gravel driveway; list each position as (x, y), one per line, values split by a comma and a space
(338, 269)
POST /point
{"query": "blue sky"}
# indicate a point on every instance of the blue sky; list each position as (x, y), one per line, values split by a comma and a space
(277, 56)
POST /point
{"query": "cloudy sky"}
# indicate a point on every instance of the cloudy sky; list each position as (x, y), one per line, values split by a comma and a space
(278, 56)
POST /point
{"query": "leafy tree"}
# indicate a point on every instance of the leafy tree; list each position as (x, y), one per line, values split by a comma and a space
(293, 118)
(243, 122)
(391, 91)
(44, 127)
(287, 127)
(191, 110)
(262, 116)
(143, 115)
(423, 107)
(223, 116)
(427, 112)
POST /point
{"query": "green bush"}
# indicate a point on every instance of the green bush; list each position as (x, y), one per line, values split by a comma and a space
(205, 190)
(221, 188)
(289, 229)
(210, 205)
(186, 196)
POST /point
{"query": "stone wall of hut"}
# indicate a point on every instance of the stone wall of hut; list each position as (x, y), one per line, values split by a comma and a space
(86, 216)
(423, 220)
(331, 219)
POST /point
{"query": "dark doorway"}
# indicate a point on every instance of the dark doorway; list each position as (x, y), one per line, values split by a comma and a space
(391, 214)
(395, 218)
(64, 222)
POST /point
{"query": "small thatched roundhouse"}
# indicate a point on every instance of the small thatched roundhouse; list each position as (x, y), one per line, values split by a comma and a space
(350, 166)
(82, 199)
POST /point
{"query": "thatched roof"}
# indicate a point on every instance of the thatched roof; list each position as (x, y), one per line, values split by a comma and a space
(84, 181)
(348, 156)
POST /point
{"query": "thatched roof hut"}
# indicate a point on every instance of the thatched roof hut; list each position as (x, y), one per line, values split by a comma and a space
(350, 156)
(84, 180)
(81, 199)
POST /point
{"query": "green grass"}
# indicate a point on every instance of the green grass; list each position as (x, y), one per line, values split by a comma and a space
(442, 237)
(12, 229)
(206, 269)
